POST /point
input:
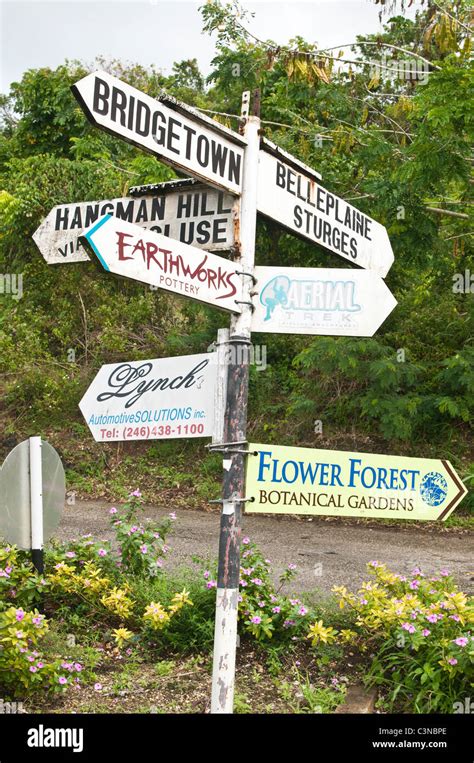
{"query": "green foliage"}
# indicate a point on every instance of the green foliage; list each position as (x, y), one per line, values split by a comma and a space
(419, 630)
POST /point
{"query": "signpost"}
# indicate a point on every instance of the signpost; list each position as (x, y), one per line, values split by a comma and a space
(32, 493)
(285, 480)
(295, 200)
(320, 301)
(182, 209)
(127, 250)
(175, 133)
(153, 399)
(266, 478)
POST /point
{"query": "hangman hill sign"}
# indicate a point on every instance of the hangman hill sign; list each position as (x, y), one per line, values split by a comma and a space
(194, 214)
(296, 201)
(281, 480)
(127, 250)
(175, 133)
(330, 301)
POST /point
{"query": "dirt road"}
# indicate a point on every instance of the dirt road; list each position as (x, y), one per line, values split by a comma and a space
(326, 553)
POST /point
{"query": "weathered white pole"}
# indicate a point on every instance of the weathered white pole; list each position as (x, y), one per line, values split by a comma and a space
(36, 502)
(225, 634)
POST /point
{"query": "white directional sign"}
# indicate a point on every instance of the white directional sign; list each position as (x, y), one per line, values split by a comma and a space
(152, 399)
(286, 480)
(329, 301)
(127, 250)
(195, 215)
(299, 203)
(174, 132)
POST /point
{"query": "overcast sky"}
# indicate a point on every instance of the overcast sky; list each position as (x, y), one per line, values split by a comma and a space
(35, 33)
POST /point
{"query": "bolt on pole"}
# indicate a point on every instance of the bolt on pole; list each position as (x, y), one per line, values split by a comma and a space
(235, 427)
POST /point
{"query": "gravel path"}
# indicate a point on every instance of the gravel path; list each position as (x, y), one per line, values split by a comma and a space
(326, 553)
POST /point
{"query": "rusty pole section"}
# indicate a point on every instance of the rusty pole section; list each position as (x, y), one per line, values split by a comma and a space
(233, 484)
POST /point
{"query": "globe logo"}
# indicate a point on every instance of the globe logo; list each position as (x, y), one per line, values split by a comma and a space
(433, 488)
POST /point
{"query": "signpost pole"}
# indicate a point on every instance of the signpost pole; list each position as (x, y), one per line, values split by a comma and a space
(233, 487)
(36, 503)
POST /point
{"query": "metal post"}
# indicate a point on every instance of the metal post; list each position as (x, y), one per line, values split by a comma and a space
(36, 503)
(233, 486)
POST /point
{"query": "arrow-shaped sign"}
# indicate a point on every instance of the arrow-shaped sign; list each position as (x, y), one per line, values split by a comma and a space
(295, 200)
(127, 250)
(152, 399)
(281, 480)
(192, 213)
(330, 301)
(177, 134)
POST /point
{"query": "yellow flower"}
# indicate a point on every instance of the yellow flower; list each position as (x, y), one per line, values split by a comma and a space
(156, 615)
(348, 635)
(180, 599)
(318, 632)
(121, 635)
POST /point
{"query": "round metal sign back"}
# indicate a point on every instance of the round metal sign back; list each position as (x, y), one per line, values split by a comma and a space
(15, 519)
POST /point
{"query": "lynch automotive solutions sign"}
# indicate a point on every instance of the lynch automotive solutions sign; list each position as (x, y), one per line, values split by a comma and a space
(152, 399)
(282, 480)
(298, 202)
(127, 250)
(329, 301)
(198, 216)
(174, 132)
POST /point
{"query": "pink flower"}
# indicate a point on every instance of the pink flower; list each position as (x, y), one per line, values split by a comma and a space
(98, 687)
(136, 493)
(40, 665)
(113, 510)
(294, 602)
(30, 658)
(19, 634)
(172, 515)
(19, 615)
(102, 552)
(276, 610)
(143, 549)
(461, 641)
(159, 563)
(432, 618)
(243, 583)
(37, 620)
(444, 572)
(245, 540)
(62, 680)
(292, 566)
(70, 554)
(414, 584)
(455, 617)
(78, 666)
(211, 584)
(257, 581)
(409, 627)
(66, 665)
(33, 669)
(302, 611)
(256, 620)
(425, 632)
(453, 661)
(206, 574)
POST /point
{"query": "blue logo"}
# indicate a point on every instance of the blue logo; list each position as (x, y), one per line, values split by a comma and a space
(433, 488)
(289, 294)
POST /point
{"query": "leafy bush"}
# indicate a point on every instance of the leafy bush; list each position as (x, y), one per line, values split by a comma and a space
(420, 631)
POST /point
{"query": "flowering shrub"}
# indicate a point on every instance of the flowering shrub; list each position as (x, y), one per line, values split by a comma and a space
(420, 629)
(19, 581)
(22, 667)
(140, 546)
(156, 616)
(263, 611)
